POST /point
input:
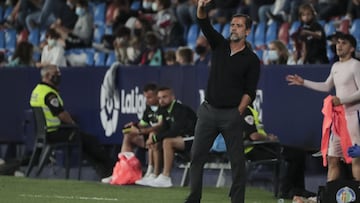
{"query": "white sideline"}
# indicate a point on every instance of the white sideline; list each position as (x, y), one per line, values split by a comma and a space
(69, 197)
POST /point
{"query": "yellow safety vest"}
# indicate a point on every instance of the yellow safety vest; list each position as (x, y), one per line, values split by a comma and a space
(38, 100)
(259, 126)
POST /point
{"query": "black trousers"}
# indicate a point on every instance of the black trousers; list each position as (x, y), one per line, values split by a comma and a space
(92, 149)
(212, 121)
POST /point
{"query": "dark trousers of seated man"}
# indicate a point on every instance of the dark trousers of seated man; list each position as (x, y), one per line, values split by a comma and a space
(91, 148)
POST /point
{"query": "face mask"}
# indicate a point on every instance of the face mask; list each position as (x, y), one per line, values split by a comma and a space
(199, 49)
(51, 42)
(272, 55)
(146, 5)
(154, 108)
(137, 32)
(56, 79)
(154, 6)
(80, 11)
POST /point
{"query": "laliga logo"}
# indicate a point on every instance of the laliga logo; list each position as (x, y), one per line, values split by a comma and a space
(345, 195)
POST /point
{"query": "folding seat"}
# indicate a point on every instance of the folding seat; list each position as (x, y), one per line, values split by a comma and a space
(355, 31)
(99, 13)
(226, 30)
(99, 59)
(110, 59)
(330, 28)
(8, 10)
(135, 5)
(34, 36)
(259, 36)
(192, 35)
(271, 32)
(99, 32)
(10, 39)
(250, 37)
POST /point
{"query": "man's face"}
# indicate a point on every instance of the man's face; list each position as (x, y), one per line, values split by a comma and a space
(238, 29)
(165, 98)
(151, 98)
(53, 73)
(343, 48)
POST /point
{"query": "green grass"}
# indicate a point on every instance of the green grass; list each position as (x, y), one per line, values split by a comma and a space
(29, 190)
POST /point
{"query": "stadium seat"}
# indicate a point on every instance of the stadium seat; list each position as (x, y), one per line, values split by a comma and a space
(226, 30)
(355, 31)
(99, 59)
(217, 27)
(34, 36)
(259, 53)
(283, 34)
(108, 30)
(43, 149)
(192, 35)
(294, 27)
(135, 5)
(99, 13)
(344, 26)
(259, 36)
(110, 59)
(10, 39)
(99, 32)
(330, 28)
(7, 12)
(250, 37)
(2, 39)
(1, 14)
(271, 32)
(90, 56)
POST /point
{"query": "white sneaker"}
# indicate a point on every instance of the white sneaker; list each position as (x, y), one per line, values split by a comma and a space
(146, 179)
(161, 181)
(106, 180)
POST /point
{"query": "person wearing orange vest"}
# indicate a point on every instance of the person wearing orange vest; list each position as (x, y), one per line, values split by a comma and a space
(345, 78)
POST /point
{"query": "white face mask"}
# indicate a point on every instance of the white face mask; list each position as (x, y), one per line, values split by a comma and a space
(154, 6)
(147, 5)
(51, 42)
(272, 55)
(154, 108)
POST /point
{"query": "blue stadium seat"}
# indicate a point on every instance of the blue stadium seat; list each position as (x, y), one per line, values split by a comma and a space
(260, 53)
(259, 37)
(217, 27)
(36, 56)
(271, 32)
(192, 35)
(42, 35)
(90, 53)
(226, 30)
(108, 30)
(135, 5)
(294, 27)
(355, 31)
(250, 37)
(7, 12)
(330, 28)
(1, 14)
(10, 39)
(110, 59)
(99, 59)
(99, 32)
(34, 36)
(99, 13)
(2, 39)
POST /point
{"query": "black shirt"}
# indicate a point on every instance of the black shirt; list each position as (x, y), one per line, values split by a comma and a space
(178, 120)
(53, 102)
(230, 76)
(150, 117)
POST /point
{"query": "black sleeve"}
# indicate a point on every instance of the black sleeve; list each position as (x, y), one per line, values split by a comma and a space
(214, 38)
(53, 103)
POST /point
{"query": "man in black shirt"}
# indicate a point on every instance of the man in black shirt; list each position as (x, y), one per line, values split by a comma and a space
(234, 74)
(176, 132)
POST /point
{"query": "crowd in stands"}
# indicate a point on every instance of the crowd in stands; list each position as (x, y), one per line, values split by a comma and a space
(157, 32)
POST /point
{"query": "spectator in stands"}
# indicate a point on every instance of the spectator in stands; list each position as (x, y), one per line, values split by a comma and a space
(254, 8)
(202, 50)
(47, 96)
(165, 24)
(65, 14)
(118, 13)
(52, 53)
(185, 56)
(170, 57)
(310, 38)
(273, 12)
(344, 77)
(81, 35)
(291, 8)
(23, 55)
(21, 10)
(332, 43)
(153, 53)
(121, 45)
(135, 134)
(277, 53)
(328, 9)
(176, 133)
(353, 9)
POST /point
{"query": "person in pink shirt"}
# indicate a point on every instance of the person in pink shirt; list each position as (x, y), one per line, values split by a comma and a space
(345, 78)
